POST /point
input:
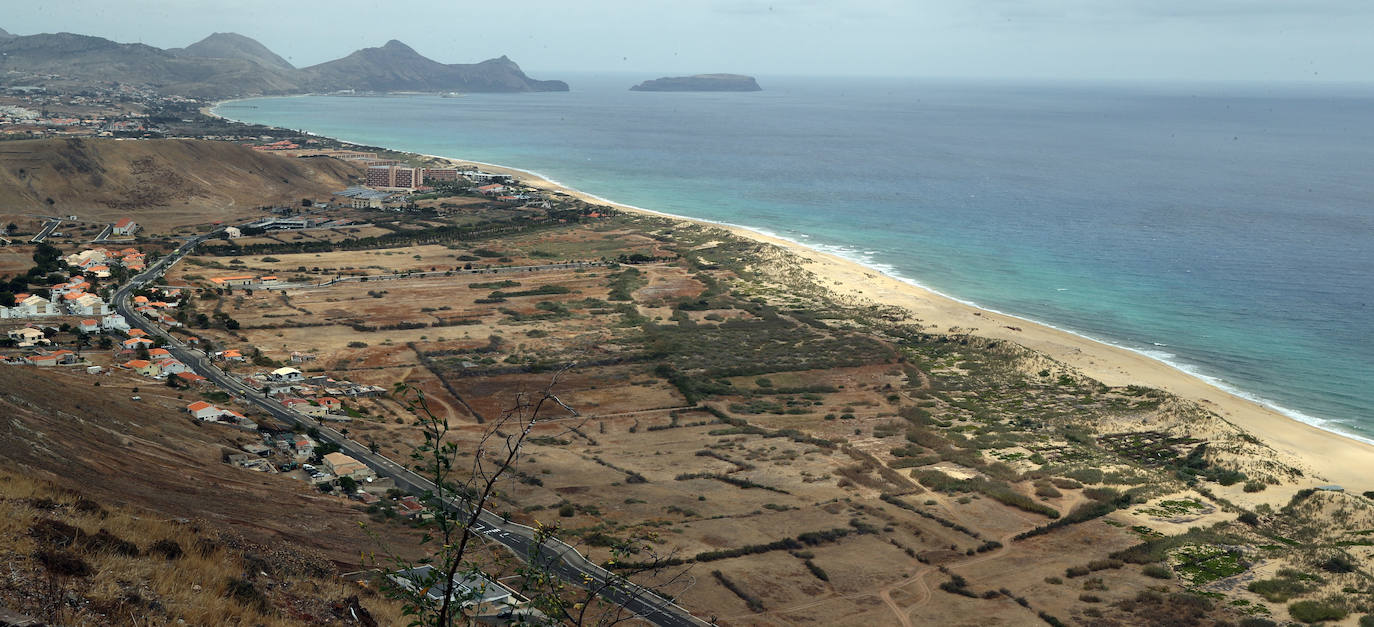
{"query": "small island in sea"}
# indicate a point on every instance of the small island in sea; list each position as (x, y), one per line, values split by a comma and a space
(701, 82)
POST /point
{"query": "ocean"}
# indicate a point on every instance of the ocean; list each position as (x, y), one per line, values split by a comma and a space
(1225, 229)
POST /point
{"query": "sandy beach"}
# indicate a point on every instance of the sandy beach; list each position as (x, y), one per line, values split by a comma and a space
(1326, 457)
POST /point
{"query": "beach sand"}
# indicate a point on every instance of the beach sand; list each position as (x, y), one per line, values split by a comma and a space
(1326, 457)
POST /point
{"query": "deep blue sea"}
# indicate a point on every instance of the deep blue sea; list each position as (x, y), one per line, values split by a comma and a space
(1228, 230)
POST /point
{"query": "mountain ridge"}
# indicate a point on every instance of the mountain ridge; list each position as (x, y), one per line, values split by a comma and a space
(226, 65)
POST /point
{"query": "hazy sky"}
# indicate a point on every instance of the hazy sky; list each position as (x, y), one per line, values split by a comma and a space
(1284, 40)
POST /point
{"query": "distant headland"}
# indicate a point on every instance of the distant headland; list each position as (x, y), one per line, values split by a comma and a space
(700, 82)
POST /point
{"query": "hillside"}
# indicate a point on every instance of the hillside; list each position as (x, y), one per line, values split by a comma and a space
(158, 182)
(4, 34)
(398, 67)
(122, 566)
(61, 427)
(234, 46)
(226, 64)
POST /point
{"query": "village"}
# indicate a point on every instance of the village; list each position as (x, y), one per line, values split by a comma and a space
(75, 327)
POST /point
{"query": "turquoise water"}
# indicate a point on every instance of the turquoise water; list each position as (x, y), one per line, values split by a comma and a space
(1226, 230)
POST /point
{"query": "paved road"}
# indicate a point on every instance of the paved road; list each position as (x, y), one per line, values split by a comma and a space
(104, 233)
(45, 231)
(555, 555)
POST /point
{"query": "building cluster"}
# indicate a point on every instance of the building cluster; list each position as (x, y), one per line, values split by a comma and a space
(75, 296)
(291, 452)
(70, 298)
(316, 396)
(99, 260)
(91, 110)
(157, 310)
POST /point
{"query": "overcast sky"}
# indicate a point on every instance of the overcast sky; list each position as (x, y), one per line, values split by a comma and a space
(1264, 40)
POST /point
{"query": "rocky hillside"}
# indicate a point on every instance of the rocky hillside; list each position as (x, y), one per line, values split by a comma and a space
(226, 64)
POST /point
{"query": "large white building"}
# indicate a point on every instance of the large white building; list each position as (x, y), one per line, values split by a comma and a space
(88, 305)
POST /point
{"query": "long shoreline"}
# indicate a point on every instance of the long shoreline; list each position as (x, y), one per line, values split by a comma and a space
(1333, 455)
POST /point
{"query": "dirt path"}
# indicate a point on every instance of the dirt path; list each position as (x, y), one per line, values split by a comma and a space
(919, 576)
(916, 577)
(902, 617)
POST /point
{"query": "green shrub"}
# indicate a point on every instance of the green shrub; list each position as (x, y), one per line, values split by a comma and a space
(1276, 590)
(1158, 571)
(1339, 563)
(1316, 611)
(1255, 486)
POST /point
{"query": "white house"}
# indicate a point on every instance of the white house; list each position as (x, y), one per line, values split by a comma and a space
(125, 226)
(89, 325)
(27, 336)
(304, 445)
(204, 411)
(114, 322)
(286, 374)
(172, 366)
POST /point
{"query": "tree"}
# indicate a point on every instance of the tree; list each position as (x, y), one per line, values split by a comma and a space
(465, 481)
(306, 202)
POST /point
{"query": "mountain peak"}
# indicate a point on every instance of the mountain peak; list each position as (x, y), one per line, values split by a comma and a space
(396, 45)
(234, 46)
